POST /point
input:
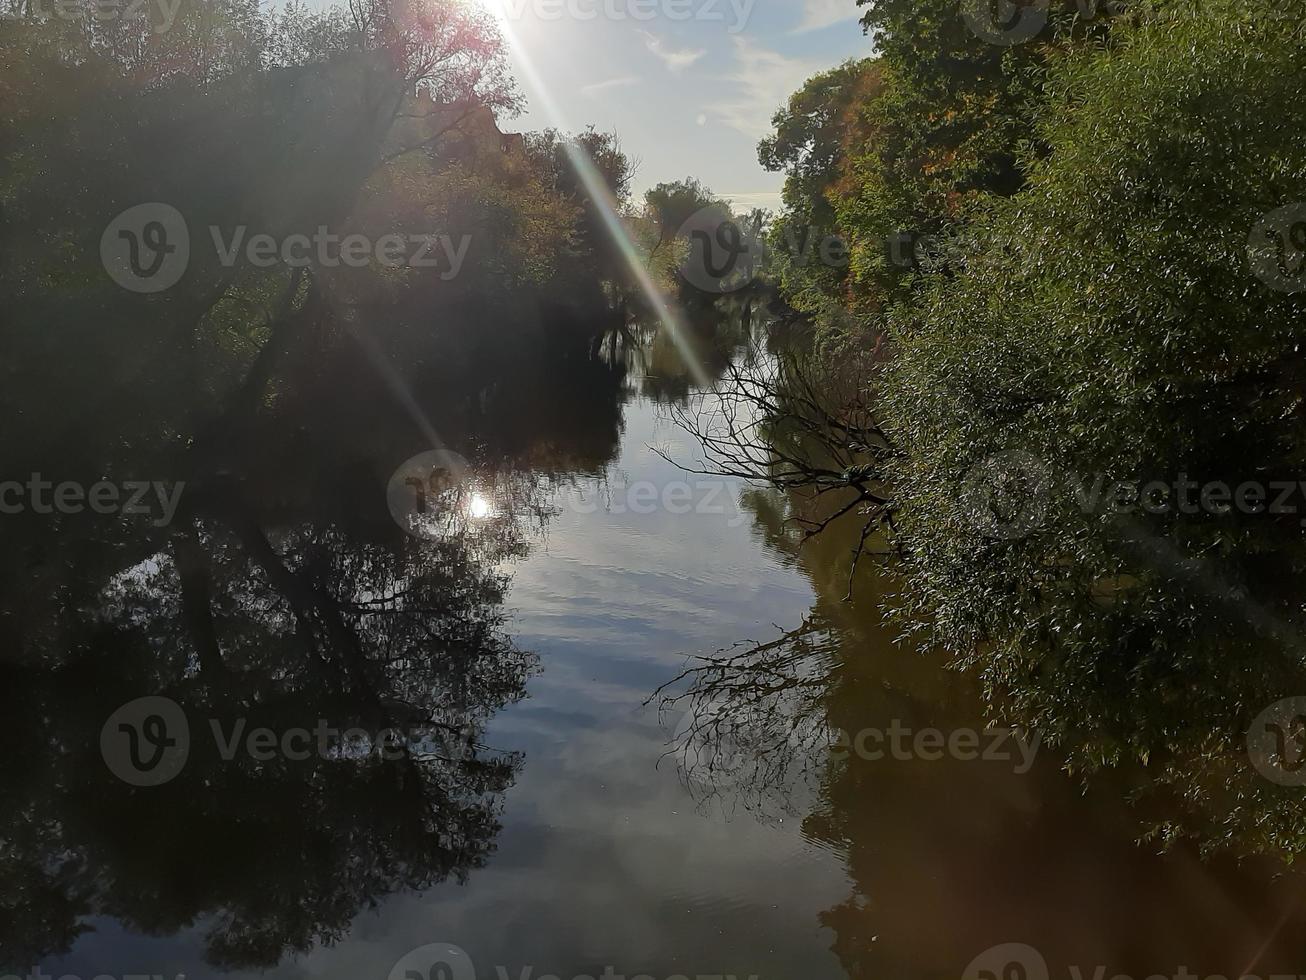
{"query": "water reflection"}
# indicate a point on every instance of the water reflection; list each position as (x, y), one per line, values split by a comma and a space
(287, 592)
(281, 597)
(249, 626)
(721, 336)
(950, 856)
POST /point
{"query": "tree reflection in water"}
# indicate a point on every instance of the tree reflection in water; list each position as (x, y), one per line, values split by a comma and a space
(283, 594)
(1064, 861)
(280, 628)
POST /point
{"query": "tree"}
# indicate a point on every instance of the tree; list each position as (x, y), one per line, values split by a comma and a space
(1106, 325)
(816, 134)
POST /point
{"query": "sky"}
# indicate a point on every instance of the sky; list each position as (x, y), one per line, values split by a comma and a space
(689, 86)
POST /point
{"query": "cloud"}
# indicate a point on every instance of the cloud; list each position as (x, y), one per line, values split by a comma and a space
(675, 60)
(761, 83)
(742, 202)
(824, 13)
(603, 86)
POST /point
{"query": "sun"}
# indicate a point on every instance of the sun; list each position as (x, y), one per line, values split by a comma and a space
(479, 507)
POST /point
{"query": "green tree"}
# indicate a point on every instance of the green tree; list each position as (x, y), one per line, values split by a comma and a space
(1106, 324)
(815, 134)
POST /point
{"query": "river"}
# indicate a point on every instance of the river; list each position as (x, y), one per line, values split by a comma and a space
(596, 832)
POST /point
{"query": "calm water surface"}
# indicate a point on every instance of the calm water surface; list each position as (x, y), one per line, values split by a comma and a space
(606, 847)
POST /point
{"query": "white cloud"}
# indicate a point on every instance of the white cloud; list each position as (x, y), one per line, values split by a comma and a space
(823, 13)
(770, 200)
(675, 59)
(761, 83)
(603, 86)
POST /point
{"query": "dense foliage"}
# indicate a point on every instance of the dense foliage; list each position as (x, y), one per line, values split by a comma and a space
(380, 120)
(1086, 311)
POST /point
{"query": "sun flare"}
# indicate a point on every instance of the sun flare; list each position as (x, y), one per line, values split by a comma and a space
(479, 507)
